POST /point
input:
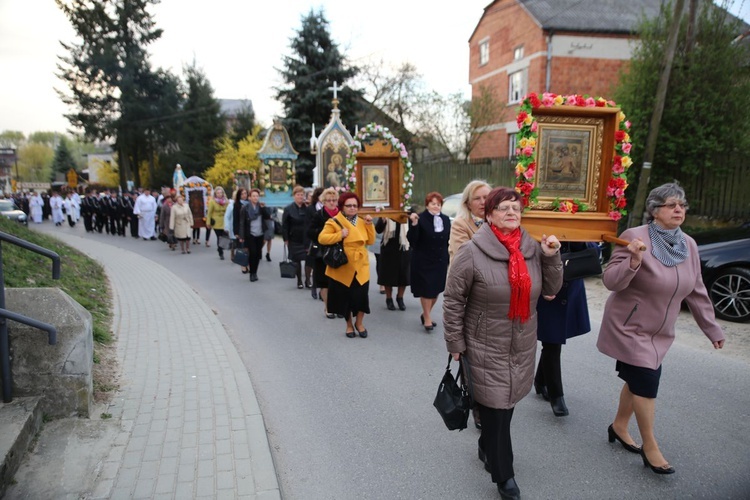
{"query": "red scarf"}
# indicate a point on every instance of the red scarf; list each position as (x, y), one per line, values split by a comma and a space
(518, 275)
(332, 213)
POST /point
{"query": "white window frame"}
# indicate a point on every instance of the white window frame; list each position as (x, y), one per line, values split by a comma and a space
(518, 53)
(484, 51)
(512, 144)
(516, 86)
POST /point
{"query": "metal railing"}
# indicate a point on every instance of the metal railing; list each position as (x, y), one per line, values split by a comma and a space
(20, 318)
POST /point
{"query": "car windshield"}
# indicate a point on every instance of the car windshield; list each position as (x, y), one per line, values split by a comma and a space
(450, 205)
(6, 206)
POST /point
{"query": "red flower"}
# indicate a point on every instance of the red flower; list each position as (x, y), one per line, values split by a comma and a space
(621, 202)
(534, 100)
(580, 101)
(620, 136)
(520, 118)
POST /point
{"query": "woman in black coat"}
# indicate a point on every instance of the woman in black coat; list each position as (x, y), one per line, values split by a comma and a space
(293, 231)
(428, 236)
(395, 261)
(330, 199)
(560, 317)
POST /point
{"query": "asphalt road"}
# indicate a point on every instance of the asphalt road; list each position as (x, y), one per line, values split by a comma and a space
(353, 418)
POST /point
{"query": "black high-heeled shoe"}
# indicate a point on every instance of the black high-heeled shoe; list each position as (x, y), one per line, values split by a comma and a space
(541, 389)
(400, 302)
(389, 304)
(613, 435)
(664, 469)
(558, 407)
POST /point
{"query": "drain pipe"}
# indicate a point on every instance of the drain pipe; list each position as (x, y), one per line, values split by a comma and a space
(549, 62)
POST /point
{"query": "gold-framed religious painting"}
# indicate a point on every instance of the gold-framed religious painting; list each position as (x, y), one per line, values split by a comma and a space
(277, 172)
(376, 185)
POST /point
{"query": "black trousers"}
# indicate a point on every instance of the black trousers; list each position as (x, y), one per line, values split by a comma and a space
(254, 252)
(548, 372)
(88, 223)
(219, 232)
(496, 443)
(134, 226)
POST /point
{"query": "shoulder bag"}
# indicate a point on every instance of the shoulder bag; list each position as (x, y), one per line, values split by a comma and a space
(334, 255)
(453, 400)
(581, 264)
(287, 268)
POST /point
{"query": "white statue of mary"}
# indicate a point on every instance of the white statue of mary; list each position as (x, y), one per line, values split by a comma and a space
(178, 178)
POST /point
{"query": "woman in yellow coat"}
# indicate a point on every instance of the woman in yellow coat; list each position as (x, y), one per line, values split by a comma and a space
(217, 208)
(349, 284)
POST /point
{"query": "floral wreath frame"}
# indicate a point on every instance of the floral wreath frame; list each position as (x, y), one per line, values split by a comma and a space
(527, 144)
(286, 187)
(373, 131)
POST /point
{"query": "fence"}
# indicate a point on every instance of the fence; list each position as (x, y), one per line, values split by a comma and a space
(723, 197)
(452, 178)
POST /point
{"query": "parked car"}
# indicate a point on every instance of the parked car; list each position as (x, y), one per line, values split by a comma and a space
(725, 266)
(451, 204)
(9, 209)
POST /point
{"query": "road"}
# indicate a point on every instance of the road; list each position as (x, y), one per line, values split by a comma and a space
(353, 418)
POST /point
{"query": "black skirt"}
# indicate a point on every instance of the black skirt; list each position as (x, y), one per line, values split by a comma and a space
(319, 273)
(393, 265)
(350, 299)
(643, 382)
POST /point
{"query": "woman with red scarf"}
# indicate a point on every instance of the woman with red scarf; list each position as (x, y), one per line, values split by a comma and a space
(489, 314)
(330, 200)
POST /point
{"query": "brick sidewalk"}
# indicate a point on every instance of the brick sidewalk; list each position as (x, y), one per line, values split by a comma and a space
(190, 425)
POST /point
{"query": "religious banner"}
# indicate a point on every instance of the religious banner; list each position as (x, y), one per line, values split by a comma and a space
(573, 153)
(379, 171)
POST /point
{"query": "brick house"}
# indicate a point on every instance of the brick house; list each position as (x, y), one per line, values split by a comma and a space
(560, 46)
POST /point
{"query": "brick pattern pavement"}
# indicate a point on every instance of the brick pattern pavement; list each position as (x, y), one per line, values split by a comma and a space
(190, 425)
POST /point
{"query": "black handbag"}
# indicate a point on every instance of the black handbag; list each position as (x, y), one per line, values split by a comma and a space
(453, 400)
(287, 268)
(334, 255)
(224, 242)
(581, 264)
(241, 257)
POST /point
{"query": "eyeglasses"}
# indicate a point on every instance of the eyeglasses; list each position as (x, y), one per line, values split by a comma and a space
(683, 205)
(350, 206)
(508, 208)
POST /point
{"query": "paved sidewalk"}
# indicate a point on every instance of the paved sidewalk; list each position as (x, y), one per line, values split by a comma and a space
(189, 423)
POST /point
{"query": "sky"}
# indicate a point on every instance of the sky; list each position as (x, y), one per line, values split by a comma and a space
(239, 44)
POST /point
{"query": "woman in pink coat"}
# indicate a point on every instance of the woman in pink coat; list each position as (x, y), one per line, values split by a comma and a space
(649, 279)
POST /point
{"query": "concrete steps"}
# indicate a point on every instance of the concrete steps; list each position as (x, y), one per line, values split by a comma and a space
(20, 420)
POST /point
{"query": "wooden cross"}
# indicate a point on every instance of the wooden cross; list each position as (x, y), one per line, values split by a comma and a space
(335, 89)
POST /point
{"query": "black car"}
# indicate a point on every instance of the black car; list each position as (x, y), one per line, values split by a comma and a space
(725, 265)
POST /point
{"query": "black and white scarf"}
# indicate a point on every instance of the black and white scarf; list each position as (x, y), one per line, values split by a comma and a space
(668, 246)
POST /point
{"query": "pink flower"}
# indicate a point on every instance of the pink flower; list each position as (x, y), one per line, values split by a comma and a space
(617, 168)
(627, 124)
(619, 193)
(406, 196)
(534, 127)
(528, 151)
(626, 146)
(590, 102)
(548, 100)
(615, 215)
(529, 173)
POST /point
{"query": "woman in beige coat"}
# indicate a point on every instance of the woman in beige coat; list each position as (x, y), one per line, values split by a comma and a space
(489, 313)
(470, 216)
(180, 222)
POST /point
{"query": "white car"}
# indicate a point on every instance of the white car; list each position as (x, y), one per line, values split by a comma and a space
(9, 210)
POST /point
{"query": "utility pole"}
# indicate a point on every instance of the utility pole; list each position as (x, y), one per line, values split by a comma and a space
(653, 131)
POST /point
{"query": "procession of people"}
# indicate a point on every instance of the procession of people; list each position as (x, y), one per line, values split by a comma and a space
(504, 291)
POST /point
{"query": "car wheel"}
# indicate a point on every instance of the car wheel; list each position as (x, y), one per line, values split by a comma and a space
(730, 294)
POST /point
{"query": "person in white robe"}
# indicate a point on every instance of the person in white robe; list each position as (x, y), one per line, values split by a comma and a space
(145, 209)
(56, 206)
(70, 209)
(76, 205)
(36, 203)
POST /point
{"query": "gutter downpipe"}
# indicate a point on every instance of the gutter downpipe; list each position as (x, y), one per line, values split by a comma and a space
(549, 62)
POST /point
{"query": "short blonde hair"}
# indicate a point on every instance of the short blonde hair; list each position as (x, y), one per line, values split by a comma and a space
(297, 189)
(469, 190)
(329, 193)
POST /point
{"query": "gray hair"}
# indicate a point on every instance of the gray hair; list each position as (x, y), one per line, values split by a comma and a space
(463, 210)
(660, 194)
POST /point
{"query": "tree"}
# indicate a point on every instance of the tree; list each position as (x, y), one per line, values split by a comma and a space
(244, 124)
(63, 160)
(315, 64)
(105, 71)
(705, 117)
(11, 138)
(201, 125)
(35, 162)
(231, 157)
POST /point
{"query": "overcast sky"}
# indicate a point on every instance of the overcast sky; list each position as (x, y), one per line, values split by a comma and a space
(238, 44)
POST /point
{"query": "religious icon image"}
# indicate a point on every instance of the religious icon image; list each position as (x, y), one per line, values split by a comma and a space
(376, 185)
(335, 173)
(278, 172)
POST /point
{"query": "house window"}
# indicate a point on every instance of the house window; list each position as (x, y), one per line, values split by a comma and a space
(518, 53)
(484, 52)
(516, 86)
(512, 145)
